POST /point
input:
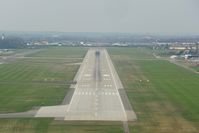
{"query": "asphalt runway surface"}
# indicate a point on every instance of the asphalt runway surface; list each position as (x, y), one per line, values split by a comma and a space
(98, 94)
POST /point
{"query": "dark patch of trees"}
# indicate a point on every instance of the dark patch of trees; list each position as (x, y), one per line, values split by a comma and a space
(12, 43)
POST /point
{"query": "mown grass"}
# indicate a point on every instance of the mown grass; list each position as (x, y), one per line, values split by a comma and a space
(164, 96)
(33, 83)
(50, 126)
(26, 83)
(12, 52)
(61, 52)
(196, 68)
(86, 127)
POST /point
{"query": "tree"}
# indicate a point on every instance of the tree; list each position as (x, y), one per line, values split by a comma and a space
(11, 43)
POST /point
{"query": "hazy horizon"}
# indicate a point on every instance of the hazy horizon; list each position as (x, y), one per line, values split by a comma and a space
(102, 16)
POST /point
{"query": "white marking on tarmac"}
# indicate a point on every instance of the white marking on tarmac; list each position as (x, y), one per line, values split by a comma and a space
(115, 83)
(87, 75)
(106, 75)
(80, 76)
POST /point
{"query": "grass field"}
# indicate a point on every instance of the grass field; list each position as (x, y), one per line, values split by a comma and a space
(196, 68)
(164, 96)
(50, 126)
(36, 82)
(60, 52)
(11, 52)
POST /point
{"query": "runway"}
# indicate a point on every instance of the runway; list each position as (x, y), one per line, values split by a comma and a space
(96, 95)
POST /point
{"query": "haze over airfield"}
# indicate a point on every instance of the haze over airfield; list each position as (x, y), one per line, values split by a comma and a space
(136, 16)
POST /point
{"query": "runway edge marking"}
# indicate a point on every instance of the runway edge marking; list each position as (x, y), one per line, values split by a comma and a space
(79, 77)
(108, 61)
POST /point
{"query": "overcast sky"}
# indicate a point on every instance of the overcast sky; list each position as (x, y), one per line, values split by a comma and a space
(137, 16)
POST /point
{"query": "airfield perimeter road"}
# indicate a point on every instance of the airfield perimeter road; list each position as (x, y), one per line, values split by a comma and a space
(98, 94)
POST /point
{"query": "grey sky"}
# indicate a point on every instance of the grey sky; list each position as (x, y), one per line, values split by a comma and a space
(137, 16)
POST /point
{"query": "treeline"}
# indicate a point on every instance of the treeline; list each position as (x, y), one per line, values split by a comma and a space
(12, 43)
